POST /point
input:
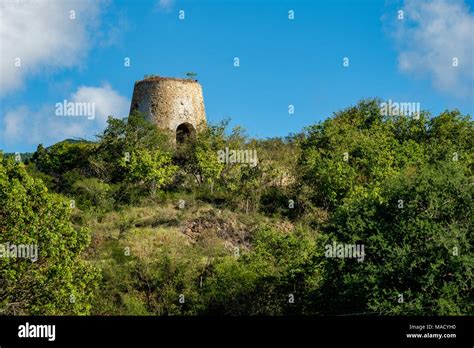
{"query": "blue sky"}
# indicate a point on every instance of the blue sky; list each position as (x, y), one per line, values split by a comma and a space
(282, 61)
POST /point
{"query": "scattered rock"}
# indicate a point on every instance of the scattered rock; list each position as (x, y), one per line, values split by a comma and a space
(233, 232)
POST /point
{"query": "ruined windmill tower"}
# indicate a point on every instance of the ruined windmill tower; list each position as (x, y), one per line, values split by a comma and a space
(171, 103)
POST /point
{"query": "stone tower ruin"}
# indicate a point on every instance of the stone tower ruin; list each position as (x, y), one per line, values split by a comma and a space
(171, 103)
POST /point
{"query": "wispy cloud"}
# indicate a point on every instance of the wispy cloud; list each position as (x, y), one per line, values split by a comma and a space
(431, 37)
(166, 4)
(106, 100)
(38, 35)
(23, 125)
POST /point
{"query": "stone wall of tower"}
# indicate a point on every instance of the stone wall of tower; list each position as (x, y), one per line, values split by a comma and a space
(169, 102)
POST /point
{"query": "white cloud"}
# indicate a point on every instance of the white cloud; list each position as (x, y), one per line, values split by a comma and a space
(14, 122)
(107, 101)
(44, 36)
(430, 36)
(25, 126)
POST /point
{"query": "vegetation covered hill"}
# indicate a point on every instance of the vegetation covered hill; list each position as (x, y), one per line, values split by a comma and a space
(133, 225)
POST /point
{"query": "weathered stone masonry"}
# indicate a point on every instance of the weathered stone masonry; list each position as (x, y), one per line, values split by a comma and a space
(171, 103)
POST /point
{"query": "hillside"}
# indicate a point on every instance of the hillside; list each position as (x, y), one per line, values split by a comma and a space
(361, 213)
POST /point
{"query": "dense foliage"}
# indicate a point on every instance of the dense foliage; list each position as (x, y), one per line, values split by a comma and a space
(174, 229)
(53, 279)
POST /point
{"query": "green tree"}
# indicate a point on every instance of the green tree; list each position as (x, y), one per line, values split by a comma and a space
(400, 186)
(417, 233)
(63, 161)
(191, 75)
(120, 139)
(277, 277)
(58, 282)
(152, 169)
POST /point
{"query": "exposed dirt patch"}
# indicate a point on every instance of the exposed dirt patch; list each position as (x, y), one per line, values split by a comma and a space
(234, 232)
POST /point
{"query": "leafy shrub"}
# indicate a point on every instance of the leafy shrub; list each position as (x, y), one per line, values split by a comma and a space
(59, 282)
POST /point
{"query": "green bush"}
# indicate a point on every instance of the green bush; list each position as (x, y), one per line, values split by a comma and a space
(92, 194)
(59, 281)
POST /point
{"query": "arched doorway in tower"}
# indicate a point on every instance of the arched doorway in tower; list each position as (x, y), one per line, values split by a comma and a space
(184, 132)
